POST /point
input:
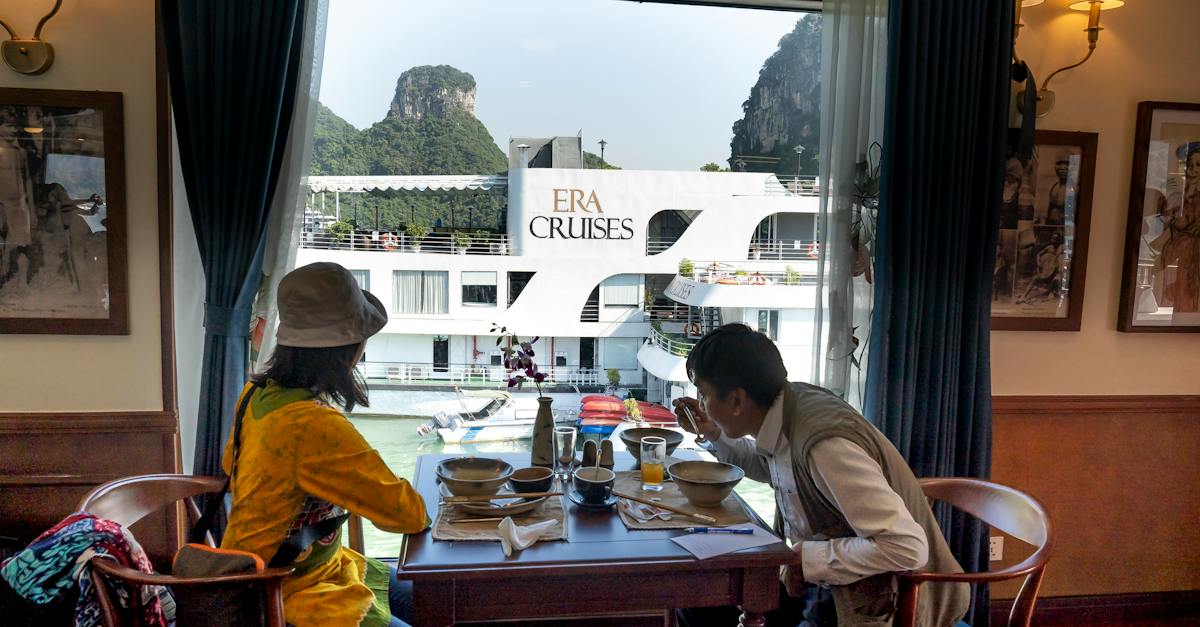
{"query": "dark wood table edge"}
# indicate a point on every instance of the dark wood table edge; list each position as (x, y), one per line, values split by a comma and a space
(762, 553)
(435, 587)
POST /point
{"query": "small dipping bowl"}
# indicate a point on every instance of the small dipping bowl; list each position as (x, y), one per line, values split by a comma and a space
(531, 479)
(472, 476)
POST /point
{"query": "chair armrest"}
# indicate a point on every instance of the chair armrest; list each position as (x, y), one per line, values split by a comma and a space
(112, 569)
(1033, 563)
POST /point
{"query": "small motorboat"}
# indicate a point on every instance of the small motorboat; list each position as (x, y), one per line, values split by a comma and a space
(504, 418)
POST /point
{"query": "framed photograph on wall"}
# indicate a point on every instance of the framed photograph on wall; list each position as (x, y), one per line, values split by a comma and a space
(1160, 282)
(62, 213)
(1041, 254)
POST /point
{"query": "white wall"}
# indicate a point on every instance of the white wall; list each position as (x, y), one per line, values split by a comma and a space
(1147, 51)
(105, 45)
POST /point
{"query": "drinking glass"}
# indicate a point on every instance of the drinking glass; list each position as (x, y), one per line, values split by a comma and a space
(654, 456)
(564, 451)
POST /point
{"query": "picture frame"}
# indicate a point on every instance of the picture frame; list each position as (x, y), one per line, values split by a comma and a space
(1160, 277)
(63, 267)
(1045, 217)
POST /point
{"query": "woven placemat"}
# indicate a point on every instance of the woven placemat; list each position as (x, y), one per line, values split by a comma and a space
(452, 524)
(730, 512)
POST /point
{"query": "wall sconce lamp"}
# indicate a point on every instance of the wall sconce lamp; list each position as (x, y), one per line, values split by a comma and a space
(1045, 97)
(29, 56)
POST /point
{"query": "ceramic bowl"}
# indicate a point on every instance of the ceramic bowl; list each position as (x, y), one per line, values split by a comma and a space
(531, 479)
(705, 484)
(633, 440)
(470, 476)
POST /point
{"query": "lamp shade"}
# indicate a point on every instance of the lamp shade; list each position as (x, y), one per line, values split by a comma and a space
(1086, 5)
(1031, 3)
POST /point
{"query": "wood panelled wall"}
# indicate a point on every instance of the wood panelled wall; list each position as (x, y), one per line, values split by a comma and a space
(49, 461)
(1120, 477)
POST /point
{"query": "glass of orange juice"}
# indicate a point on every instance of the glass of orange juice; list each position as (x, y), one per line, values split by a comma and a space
(654, 457)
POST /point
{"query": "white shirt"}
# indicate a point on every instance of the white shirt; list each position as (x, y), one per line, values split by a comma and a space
(888, 539)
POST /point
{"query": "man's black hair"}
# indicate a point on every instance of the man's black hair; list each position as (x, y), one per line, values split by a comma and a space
(735, 356)
(327, 372)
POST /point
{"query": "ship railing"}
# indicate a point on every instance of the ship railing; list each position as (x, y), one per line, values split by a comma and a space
(793, 185)
(477, 373)
(733, 273)
(666, 312)
(783, 250)
(655, 245)
(764, 249)
(675, 345)
(390, 242)
(590, 312)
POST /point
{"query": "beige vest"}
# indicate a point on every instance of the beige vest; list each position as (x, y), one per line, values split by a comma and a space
(812, 414)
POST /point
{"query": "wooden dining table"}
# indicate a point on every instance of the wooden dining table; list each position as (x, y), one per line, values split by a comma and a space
(602, 570)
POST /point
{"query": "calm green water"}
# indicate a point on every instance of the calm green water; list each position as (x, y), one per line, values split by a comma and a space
(396, 440)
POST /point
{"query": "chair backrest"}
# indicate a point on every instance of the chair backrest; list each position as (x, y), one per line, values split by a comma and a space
(1003, 508)
(127, 501)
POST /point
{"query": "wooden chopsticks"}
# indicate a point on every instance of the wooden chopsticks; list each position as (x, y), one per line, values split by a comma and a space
(669, 508)
(496, 497)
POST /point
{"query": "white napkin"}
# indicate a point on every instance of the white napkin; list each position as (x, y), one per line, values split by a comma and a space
(517, 537)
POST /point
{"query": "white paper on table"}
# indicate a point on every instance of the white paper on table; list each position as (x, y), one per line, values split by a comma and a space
(706, 545)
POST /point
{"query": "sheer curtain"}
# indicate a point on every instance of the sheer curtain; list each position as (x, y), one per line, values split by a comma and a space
(406, 290)
(435, 293)
(287, 208)
(853, 72)
(421, 292)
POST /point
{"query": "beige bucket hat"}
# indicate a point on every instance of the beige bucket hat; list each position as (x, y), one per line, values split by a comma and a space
(321, 306)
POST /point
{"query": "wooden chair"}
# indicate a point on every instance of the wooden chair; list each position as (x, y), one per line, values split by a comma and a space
(127, 501)
(1004, 508)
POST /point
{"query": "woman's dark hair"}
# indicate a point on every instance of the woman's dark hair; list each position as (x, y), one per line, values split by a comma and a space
(328, 372)
(735, 356)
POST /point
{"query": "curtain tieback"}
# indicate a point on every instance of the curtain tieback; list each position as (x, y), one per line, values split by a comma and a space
(227, 321)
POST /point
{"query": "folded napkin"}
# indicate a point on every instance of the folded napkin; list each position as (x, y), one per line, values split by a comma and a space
(517, 537)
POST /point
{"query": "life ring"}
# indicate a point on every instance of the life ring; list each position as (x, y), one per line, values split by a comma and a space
(757, 279)
(694, 329)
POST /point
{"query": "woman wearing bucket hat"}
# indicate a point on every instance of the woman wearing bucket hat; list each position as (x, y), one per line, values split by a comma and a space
(299, 461)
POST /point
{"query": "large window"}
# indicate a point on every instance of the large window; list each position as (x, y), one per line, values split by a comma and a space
(363, 278)
(424, 109)
(768, 323)
(621, 352)
(421, 292)
(516, 284)
(479, 288)
(623, 290)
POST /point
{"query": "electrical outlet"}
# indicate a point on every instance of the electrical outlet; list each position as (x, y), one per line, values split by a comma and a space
(996, 548)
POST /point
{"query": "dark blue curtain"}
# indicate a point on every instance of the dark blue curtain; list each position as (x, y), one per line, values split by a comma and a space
(232, 66)
(946, 112)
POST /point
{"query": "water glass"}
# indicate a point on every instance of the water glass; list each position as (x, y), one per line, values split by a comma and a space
(564, 451)
(654, 458)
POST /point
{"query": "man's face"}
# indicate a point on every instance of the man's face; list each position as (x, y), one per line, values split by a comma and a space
(1193, 166)
(729, 412)
(1061, 168)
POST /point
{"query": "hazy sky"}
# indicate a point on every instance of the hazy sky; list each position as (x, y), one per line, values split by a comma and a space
(662, 84)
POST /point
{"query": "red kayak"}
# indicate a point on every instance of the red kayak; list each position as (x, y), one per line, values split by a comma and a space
(614, 421)
(610, 406)
(591, 413)
(649, 410)
(601, 422)
(599, 397)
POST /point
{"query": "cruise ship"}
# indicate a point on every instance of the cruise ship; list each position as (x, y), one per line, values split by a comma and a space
(618, 272)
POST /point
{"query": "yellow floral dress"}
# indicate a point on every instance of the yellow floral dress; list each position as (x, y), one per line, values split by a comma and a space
(301, 461)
